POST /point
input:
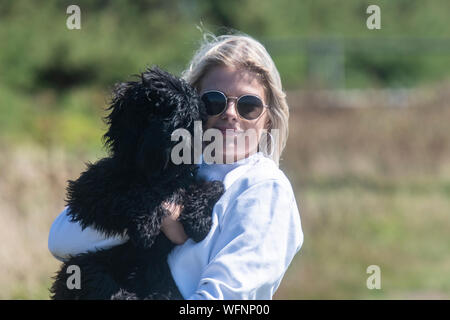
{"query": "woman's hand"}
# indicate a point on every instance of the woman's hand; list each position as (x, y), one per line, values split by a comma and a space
(172, 228)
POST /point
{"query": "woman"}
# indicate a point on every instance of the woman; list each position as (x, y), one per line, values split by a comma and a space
(256, 227)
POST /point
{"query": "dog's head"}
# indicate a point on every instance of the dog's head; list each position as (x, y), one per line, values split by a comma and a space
(144, 113)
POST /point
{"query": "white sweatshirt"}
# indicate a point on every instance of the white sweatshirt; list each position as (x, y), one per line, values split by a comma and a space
(255, 234)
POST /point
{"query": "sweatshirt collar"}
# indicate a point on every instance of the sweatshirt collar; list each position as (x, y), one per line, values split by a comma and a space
(221, 172)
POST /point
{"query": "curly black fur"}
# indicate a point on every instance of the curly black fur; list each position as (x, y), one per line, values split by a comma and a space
(124, 192)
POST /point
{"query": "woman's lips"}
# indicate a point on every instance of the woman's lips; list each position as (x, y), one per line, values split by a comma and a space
(229, 131)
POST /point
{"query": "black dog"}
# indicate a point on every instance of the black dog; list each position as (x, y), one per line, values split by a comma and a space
(125, 192)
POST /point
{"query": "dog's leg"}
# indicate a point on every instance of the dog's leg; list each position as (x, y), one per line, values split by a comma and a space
(158, 274)
(143, 229)
(199, 202)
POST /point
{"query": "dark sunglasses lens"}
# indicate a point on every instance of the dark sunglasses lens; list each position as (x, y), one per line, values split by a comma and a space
(250, 107)
(214, 103)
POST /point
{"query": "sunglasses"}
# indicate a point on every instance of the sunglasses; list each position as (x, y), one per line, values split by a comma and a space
(248, 107)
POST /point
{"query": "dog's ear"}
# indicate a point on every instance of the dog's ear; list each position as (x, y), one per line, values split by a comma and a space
(127, 119)
(133, 105)
(154, 152)
(183, 99)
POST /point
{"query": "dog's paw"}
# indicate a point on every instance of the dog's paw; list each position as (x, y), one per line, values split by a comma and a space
(197, 228)
(196, 216)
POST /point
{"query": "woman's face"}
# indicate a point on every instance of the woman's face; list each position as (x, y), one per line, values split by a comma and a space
(235, 83)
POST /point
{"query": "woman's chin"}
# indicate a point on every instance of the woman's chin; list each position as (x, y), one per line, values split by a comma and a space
(231, 155)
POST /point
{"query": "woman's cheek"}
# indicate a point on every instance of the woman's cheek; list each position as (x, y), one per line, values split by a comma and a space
(209, 123)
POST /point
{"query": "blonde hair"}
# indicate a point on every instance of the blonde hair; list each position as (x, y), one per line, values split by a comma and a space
(242, 51)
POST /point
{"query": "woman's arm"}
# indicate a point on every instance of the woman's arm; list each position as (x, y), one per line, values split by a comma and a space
(260, 234)
(67, 238)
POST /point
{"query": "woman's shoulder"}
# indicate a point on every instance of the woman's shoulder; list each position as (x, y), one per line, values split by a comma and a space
(262, 191)
(264, 171)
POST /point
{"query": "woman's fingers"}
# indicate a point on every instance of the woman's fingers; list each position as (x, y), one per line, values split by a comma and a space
(174, 209)
(172, 228)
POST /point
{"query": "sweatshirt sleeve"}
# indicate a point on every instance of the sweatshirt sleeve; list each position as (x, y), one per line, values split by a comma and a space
(67, 238)
(260, 235)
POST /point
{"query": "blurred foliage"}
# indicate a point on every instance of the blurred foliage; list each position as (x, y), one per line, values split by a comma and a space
(54, 81)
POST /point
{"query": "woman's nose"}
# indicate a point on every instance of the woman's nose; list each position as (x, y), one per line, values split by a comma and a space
(230, 110)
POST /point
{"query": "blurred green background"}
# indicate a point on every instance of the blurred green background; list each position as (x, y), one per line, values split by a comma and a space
(369, 148)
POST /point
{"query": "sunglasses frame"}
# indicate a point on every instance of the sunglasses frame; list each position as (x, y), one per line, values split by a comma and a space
(236, 104)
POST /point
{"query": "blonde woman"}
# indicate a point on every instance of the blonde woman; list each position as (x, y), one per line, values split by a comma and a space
(256, 229)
